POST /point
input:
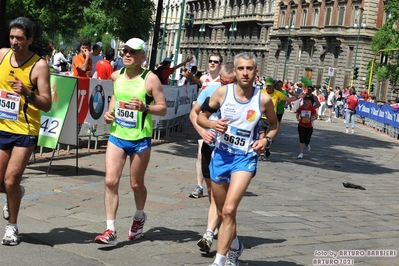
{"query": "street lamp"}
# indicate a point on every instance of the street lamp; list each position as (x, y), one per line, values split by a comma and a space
(233, 28)
(359, 23)
(164, 32)
(289, 27)
(201, 31)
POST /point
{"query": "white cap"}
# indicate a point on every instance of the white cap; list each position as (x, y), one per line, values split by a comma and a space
(135, 44)
(100, 44)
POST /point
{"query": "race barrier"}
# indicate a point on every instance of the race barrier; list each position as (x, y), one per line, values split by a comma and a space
(383, 118)
(79, 105)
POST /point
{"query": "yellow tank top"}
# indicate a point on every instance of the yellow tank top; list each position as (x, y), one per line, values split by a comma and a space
(27, 122)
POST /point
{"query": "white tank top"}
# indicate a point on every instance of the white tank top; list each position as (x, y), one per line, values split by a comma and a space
(243, 124)
(209, 81)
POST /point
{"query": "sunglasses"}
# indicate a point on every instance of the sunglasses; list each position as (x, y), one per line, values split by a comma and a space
(213, 61)
(131, 52)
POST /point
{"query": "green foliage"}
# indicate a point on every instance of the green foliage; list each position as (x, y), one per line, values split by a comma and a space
(64, 23)
(388, 38)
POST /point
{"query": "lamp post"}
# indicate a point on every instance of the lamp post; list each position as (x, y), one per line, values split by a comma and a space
(201, 31)
(164, 32)
(288, 44)
(359, 23)
(177, 47)
(233, 28)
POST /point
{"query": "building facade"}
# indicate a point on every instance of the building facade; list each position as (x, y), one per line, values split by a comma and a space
(290, 38)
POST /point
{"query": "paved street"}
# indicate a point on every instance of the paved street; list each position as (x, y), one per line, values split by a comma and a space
(296, 211)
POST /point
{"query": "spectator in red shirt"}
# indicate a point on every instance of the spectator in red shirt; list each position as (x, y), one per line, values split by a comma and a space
(164, 71)
(352, 102)
(364, 94)
(104, 68)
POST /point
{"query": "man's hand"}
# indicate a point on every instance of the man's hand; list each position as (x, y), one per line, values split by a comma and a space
(221, 125)
(259, 146)
(18, 86)
(209, 136)
(109, 117)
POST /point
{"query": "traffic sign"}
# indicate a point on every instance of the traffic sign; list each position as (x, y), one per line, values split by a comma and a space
(331, 71)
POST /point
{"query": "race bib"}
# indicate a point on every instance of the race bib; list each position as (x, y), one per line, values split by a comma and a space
(235, 139)
(9, 105)
(125, 116)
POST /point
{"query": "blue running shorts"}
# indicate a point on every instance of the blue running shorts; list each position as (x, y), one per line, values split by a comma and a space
(9, 140)
(131, 146)
(224, 164)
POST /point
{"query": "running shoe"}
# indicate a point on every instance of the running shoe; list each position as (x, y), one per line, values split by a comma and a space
(262, 158)
(6, 214)
(300, 156)
(205, 243)
(107, 237)
(233, 255)
(308, 147)
(197, 193)
(136, 231)
(11, 237)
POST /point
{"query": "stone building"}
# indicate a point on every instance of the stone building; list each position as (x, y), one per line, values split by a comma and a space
(290, 38)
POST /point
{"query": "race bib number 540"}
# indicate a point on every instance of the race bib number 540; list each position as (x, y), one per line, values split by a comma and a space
(9, 105)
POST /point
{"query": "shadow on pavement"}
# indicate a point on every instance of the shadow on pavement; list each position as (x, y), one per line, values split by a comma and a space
(59, 236)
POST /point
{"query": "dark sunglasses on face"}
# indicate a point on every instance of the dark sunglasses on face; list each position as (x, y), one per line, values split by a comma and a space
(131, 52)
(213, 61)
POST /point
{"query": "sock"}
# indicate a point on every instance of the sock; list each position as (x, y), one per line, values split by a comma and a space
(13, 225)
(210, 231)
(220, 259)
(111, 225)
(139, 215)
(235, 244)
(199, 186)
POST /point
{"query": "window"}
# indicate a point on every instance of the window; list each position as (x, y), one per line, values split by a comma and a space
(355, 17)
(316, 17)
(304, 17)
(341, 16)
(282, 20)
(328, 16)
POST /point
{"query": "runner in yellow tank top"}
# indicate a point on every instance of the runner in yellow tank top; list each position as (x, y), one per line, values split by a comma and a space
(25, 90)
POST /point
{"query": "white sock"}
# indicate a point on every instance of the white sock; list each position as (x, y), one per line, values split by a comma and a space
(210, 231)
(220, 259)
(13, 225)
(235, 244)
(111, 225)
(139, 215)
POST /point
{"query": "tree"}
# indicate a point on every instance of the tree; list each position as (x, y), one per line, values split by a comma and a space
(388, 38)
(58, 20)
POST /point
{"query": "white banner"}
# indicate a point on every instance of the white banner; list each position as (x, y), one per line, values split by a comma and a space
(179, 100)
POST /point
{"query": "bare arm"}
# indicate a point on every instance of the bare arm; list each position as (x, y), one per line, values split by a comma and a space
(41, 80)
(154, 88)
(183, 63)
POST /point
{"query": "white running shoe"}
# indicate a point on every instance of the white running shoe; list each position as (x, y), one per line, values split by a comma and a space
(308, 147)
(300, 156)
(11, 237)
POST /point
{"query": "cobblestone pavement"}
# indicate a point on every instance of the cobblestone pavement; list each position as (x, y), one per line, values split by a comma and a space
(295, 212)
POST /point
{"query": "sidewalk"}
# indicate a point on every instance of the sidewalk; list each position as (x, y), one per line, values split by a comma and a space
(294, 211)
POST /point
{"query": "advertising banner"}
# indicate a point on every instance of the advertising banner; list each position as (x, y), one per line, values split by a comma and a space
(179, 101)
(52, 122)
(381, 113)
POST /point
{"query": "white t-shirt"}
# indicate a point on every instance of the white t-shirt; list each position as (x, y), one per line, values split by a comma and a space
(330, 99)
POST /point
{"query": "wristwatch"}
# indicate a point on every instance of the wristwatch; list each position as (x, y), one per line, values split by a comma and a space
(269, 142)
(147, 109)
(30, 98)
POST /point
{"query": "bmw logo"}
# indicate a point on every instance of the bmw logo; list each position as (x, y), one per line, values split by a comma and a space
(97, 102)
